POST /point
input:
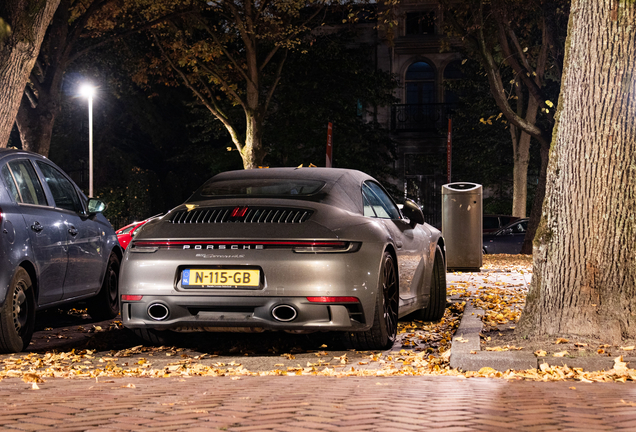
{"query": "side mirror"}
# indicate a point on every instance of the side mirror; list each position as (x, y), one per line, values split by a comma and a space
(507, 231)
(95, 206)
(412, 211)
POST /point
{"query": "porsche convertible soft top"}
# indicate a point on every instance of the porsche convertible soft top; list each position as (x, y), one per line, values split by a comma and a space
(341, 186)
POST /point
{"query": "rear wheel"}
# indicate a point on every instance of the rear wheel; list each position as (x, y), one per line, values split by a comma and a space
(437, 304)
(17, 315)
(105, 305)
(384, 330)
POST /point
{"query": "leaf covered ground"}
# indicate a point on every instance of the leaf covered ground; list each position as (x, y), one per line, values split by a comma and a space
(75, 347)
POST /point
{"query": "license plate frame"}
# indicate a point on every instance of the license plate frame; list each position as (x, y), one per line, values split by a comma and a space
(220, 278)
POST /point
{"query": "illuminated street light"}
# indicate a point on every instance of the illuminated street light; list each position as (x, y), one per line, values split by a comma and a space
(88, 91)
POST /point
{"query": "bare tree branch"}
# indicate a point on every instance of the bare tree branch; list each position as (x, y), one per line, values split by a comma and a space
(115, 37)
(208, 104)
(275, 49)
(524, 73)
(224, 83)
(279, 72)
(78, 26)
(223, 49)
(495, 80)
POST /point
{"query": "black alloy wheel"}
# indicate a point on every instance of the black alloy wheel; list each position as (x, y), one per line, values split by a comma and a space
(437, 301)
(390, 297)
(383, 332)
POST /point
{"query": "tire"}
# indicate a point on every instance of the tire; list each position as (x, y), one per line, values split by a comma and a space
(437, 303)
(105, 305)
(384, 330)
(17, 315)
(155, 337)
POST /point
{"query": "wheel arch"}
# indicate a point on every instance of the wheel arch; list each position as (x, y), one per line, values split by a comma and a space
(29, 267)
(391, 250)
(117, 251)
(442, 246)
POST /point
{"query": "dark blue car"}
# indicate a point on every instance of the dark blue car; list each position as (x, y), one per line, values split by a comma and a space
(507, 240)
(55, 247)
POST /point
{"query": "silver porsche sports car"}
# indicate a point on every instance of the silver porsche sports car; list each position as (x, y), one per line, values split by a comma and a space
(294, 249)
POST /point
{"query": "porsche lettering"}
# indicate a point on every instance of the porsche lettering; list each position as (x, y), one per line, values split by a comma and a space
(223, 247)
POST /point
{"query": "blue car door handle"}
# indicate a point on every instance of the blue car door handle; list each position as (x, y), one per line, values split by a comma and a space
(37, 227)
(72, 231)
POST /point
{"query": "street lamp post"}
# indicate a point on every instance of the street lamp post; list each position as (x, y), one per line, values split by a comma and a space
(88, 91)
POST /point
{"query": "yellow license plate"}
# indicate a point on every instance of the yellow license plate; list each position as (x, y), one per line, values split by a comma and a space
(220, 277)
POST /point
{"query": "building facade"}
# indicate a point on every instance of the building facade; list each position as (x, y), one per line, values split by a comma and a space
(423, 60)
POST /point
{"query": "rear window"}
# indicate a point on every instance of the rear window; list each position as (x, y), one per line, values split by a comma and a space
(262, 187)
(127, 230)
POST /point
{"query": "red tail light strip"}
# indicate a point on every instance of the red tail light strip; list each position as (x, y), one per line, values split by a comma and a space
(333, 299)
(170, 243)
(128, 297)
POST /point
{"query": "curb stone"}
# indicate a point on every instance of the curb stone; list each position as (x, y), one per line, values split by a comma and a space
(466, 353)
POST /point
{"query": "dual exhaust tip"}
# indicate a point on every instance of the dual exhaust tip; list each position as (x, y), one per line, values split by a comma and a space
(282, 313)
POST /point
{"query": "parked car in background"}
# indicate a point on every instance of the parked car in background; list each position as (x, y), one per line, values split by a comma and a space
(492, 223)
(293, 249)
(507, 240)
(125, 234)
(56, 247)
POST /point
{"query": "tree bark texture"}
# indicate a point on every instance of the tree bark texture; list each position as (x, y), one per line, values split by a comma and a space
(36, 116)
(537, 202)
(520, 175)
(521, 153)
(29, 20)
(585, 249)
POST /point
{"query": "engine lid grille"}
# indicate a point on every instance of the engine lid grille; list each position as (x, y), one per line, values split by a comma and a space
(241, 214)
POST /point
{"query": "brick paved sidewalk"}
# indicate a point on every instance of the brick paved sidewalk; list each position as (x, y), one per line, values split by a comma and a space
(315, 404)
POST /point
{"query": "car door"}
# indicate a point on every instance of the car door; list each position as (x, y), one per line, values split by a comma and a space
(511, 239)
(47, 233)
(409, 242)
(85, 242)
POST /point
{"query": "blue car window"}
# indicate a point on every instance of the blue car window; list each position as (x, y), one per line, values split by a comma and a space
(63, 191)
(379, 201)
(368, 208)
(29, 189)
(8, 180)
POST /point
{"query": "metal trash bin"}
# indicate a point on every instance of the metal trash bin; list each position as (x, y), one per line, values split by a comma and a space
(462, 219)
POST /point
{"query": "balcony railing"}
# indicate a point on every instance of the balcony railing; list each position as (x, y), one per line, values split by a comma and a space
(419, 117)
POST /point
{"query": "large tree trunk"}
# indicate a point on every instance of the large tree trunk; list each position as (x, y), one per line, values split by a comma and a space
(28, 20)
(585, 254)
(37, 113)
(36, 123)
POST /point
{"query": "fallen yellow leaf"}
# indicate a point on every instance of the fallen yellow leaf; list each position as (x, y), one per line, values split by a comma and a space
(560, 354)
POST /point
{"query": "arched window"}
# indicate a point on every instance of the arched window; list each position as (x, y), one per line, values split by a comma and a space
(420, 83)
(453, 70)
